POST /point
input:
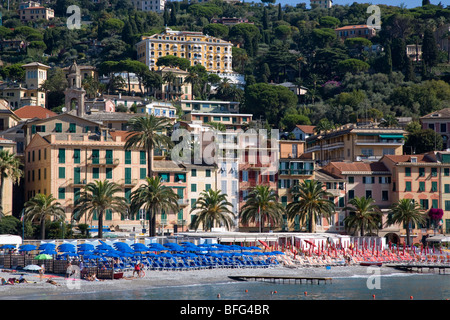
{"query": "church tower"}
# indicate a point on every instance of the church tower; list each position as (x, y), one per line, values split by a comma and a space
(75, 94)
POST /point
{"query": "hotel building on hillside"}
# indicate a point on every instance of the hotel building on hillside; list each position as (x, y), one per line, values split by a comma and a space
(356, 143)
(324, 4)
(149, 5)
(355, 31)
(213, 53)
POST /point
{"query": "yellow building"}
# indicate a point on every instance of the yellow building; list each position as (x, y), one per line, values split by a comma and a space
(212, 53)
(7, 189)
(356, 143)
(19, 95)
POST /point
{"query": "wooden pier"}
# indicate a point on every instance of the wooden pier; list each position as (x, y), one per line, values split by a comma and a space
(282, 279)
(420, 268)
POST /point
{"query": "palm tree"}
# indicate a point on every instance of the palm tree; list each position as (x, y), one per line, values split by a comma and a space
(363, 215)
(213, 207)
(261, 205)
(405, 212)
(9, 169)
(97, 198)
(153, 197)
(42, 207)
(145, 133)
(312, 203)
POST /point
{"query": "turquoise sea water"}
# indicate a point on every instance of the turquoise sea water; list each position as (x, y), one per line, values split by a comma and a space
(398, 286)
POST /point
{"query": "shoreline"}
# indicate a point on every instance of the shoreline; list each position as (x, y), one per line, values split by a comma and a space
(39, 290)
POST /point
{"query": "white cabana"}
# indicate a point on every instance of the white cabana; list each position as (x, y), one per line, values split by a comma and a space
(10, 239)
(439, 238)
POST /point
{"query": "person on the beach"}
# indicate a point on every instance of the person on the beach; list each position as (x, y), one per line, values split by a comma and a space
(53, 282)
(68, 269)
(137, 268)
(42, 272)
(22, 279)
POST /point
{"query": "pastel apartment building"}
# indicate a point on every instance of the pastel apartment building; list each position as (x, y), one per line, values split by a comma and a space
(355, 31)
(149, 5)
(8, 188)
(361, 179)
(424, 178)
(213, 53)
(356, 143)
(209, 106)
(438, 121)
(36, 12)
(28, 93)
(324, 4)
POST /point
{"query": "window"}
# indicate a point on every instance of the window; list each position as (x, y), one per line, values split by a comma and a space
(447, 205)
(180, 177)
(61, 172)
(408, 186)
(58, 127)
(128, 175)
(72, 128)
(61, 193)
(434, 203)
(351, 180)
(385, 195)
(208, 173)
(446, 172)
(193, 201)
(109, 173)
(368, 194)
(194, 172)
(142, 173)
(341, 202)
(421, 172)
(76, 155)
(424, 203)
(193, 187)
(62, 155)
(351, 194)
(95, 156)
(433, 186)
(443, 127)
(127, 156)
(421, 186)
(95, 173)
(434, 172)
(369, 180)
(407, 172)
(76, 175)
(207, 187)
(109, 156)
(142, 157)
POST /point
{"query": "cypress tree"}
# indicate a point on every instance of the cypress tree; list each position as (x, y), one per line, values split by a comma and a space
(265, 20)
(429, 50)
(388, 60)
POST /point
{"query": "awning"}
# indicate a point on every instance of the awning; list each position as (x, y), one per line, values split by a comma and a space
(391, 136)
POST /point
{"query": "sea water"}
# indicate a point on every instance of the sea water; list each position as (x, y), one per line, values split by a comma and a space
(397, 286)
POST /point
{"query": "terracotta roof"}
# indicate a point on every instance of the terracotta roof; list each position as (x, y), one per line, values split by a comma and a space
(440, 114)
(31, 112)
(118, 133)
(306, 128)
(347, 167)
(421, 158)
(353, 27)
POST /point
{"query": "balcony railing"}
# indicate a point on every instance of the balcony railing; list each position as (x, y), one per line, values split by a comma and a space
(183, 202)
(379, 142)
(103, 161)
(128, 182)
(296, 172)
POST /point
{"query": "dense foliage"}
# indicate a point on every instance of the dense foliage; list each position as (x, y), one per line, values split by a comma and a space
(279, 44)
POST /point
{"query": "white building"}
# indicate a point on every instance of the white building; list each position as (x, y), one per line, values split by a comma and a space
(149, 5)
(159, 109)
(325, 4)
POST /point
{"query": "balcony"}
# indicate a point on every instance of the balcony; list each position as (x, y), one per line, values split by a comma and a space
(78, 183)
(128, 182)
(183, 202)
(103, 162)
(381, 142)
(335, 192)
(296, 172)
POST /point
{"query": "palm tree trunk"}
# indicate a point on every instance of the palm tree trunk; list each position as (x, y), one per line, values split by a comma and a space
(407, 234)
(362, 231)
(100, 224)
(43, 228)
(2, 182)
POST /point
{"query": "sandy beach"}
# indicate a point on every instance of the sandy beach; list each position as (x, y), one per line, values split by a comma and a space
(40, 289)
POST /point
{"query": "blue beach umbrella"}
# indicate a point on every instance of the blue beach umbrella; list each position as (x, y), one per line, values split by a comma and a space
(86, 247)
(139, 247)
(27, 247)
(66, 247)
(156, 247)
(45, 246)
(8, 246)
